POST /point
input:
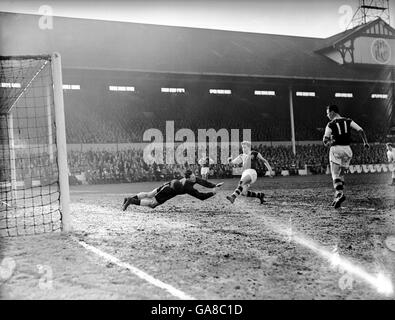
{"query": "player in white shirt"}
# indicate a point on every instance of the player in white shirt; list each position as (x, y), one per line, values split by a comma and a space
(251, 161)
(205, 164)
(338, 137)
(391, 159)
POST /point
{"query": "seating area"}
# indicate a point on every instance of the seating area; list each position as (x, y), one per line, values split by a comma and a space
(129, 165)
(124, 118)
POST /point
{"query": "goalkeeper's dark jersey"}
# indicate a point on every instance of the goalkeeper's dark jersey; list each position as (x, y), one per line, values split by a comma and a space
(341, 131)
(188, 188)
(166, 192)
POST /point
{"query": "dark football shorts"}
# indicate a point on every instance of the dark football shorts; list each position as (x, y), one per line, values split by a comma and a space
(165, 193)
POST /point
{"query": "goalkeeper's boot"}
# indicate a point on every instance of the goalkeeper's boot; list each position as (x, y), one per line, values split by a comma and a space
(231, 199)
(262, 198)
(337, 202)
(128, 201)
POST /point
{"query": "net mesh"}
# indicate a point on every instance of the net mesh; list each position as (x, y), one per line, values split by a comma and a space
(29, 175)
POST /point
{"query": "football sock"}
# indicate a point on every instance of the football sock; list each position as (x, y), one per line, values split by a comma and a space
(338, 185)
(237, 191)
(135, 201)
(254, 194)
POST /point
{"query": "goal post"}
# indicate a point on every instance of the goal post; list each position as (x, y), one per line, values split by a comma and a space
(61, 141)
(34, 187)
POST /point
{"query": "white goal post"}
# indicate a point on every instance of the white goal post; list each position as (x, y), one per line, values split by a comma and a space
(56, 64)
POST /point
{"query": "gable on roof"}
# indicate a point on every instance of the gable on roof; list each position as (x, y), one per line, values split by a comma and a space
(372, 44)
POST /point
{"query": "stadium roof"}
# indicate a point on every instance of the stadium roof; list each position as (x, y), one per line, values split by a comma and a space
(350, 33)
(97, 44)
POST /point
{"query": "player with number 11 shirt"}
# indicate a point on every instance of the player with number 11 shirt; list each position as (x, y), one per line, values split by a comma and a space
(338, 137)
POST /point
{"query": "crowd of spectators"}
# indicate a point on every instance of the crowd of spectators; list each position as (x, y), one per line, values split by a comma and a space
(91, 130)
(127, 123)
(129, 165)
(88, 130)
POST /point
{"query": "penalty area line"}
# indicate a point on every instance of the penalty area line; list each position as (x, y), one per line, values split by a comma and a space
(139, 273)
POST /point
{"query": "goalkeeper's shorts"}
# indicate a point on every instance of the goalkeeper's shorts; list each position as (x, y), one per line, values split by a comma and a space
(165, 193)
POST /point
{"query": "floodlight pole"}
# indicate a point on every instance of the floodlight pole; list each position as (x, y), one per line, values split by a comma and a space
(291, 111)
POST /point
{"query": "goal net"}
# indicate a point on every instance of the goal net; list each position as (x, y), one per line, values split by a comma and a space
(33, 152)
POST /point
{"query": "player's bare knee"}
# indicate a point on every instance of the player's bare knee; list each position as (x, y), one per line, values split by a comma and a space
(153, 204)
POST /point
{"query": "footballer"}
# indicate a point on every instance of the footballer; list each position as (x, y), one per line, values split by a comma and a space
(391, 159)
(205, 164)
(337, 136)
(251, 160)
(171, 189)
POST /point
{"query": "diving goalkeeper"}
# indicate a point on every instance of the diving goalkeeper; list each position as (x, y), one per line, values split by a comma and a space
(171, 189)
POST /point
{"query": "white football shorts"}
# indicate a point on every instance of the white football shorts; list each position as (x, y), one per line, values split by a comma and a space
(341, 155)
(251, 173)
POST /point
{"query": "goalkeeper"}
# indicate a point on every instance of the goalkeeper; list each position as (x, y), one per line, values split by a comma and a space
(171, 189)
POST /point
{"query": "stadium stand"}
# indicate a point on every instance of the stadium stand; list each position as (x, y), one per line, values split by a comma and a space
(128, 165)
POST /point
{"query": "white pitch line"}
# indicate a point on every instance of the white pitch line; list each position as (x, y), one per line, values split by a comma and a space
(141, 274)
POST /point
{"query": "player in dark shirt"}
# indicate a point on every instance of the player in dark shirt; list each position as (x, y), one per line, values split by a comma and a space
(338, 137)
(171, 189)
